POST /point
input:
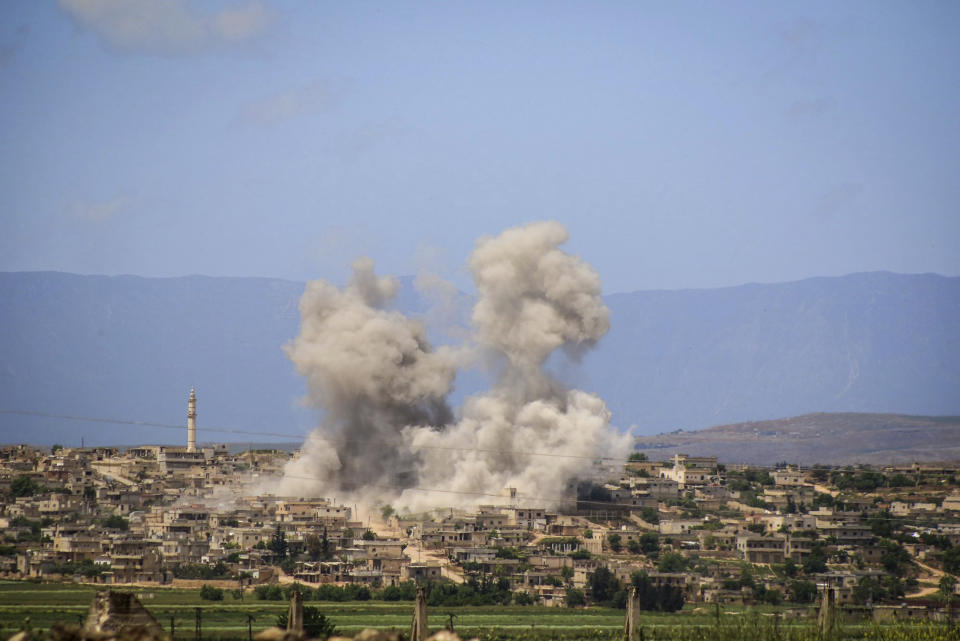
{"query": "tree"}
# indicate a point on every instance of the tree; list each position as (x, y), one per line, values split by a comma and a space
(566, 573)
(613, 540)
(386, 512)
(650, 515)
(803, 591)
(672, 562)
(315, 625)
(268, 593)
(670, 598)
(773, 597)
(116, 522)
(313, 543)
(633, 546)
(951, 560)
(650, 544)
(790, 568)
(368, 535)
(278, 543)
(24, 486)
(895, 557)
(637, 457)
(324, 546)
(948, 585)
(881, 524)
(211, 593)
(816, 561)
(603, 585)
(575, 598)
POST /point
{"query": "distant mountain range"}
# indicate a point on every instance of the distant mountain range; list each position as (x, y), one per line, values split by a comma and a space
(829, 439)
(130, 348)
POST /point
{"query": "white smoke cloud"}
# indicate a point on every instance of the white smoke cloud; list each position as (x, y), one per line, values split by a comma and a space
(382, 385)
(372, 372)
(527, 433)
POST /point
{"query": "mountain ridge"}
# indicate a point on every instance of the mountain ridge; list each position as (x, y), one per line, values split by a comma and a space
(820, 437)
(129, 346)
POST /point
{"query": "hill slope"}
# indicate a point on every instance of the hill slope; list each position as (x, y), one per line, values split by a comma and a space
(130, 347)
(875, 342)
(819, 438)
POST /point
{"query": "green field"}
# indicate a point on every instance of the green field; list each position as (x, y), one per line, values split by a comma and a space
(42, 605)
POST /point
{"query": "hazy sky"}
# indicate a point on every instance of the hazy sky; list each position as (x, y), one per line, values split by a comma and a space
(684, 144)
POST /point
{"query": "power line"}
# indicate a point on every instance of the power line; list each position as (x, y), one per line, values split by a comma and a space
(300, 437)
(117, 421)
(385, 487)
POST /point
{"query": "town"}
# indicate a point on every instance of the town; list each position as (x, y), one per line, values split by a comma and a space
(884, 542)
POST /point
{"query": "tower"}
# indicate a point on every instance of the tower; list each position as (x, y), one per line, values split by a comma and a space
(192, 422)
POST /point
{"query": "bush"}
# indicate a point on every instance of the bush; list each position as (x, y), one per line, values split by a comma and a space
(116, 523)
(201, 571)
(650, 515)
(613, 540)
(315, 625)
(951, 560)
(603, 585)
(406, 591)
(24, 486)
(803, 591)
(663, 598)
(268, 593)
(672, 562)
(210, 593)
(575, 598)
(523, 598)
(650, 544)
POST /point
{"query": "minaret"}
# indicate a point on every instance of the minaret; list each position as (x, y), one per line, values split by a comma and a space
(192, 422)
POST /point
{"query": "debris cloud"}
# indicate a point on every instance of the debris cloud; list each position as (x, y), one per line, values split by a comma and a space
(382, 387)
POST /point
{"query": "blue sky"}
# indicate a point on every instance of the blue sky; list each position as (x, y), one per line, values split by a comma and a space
(683, 144)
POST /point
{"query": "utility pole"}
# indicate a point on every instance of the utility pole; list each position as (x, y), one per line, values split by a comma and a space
(418, 628)
(250, 620)
(199, 630)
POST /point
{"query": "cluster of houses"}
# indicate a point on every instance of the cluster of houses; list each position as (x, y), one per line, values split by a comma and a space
(169, 515)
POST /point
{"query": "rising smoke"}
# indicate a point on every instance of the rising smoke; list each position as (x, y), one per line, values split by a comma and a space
(383, 388)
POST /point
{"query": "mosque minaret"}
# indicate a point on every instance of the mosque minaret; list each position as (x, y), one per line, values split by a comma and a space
(192, 422)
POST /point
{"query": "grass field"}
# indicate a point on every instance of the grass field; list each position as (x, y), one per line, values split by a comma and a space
(42, 605)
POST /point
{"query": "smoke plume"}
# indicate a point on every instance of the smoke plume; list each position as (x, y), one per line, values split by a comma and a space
(372, 372)
(383, 388)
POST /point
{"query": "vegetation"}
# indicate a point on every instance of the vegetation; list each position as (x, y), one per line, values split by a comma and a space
(116, 523)
(46, 604)
(316, 625)
(219, 570)
(278, 543)
(951, 560)
(210, 593)
(25, 486)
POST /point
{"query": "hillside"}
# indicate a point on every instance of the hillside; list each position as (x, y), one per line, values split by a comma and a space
(130, 347)
(874, 342)
(844, 438)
